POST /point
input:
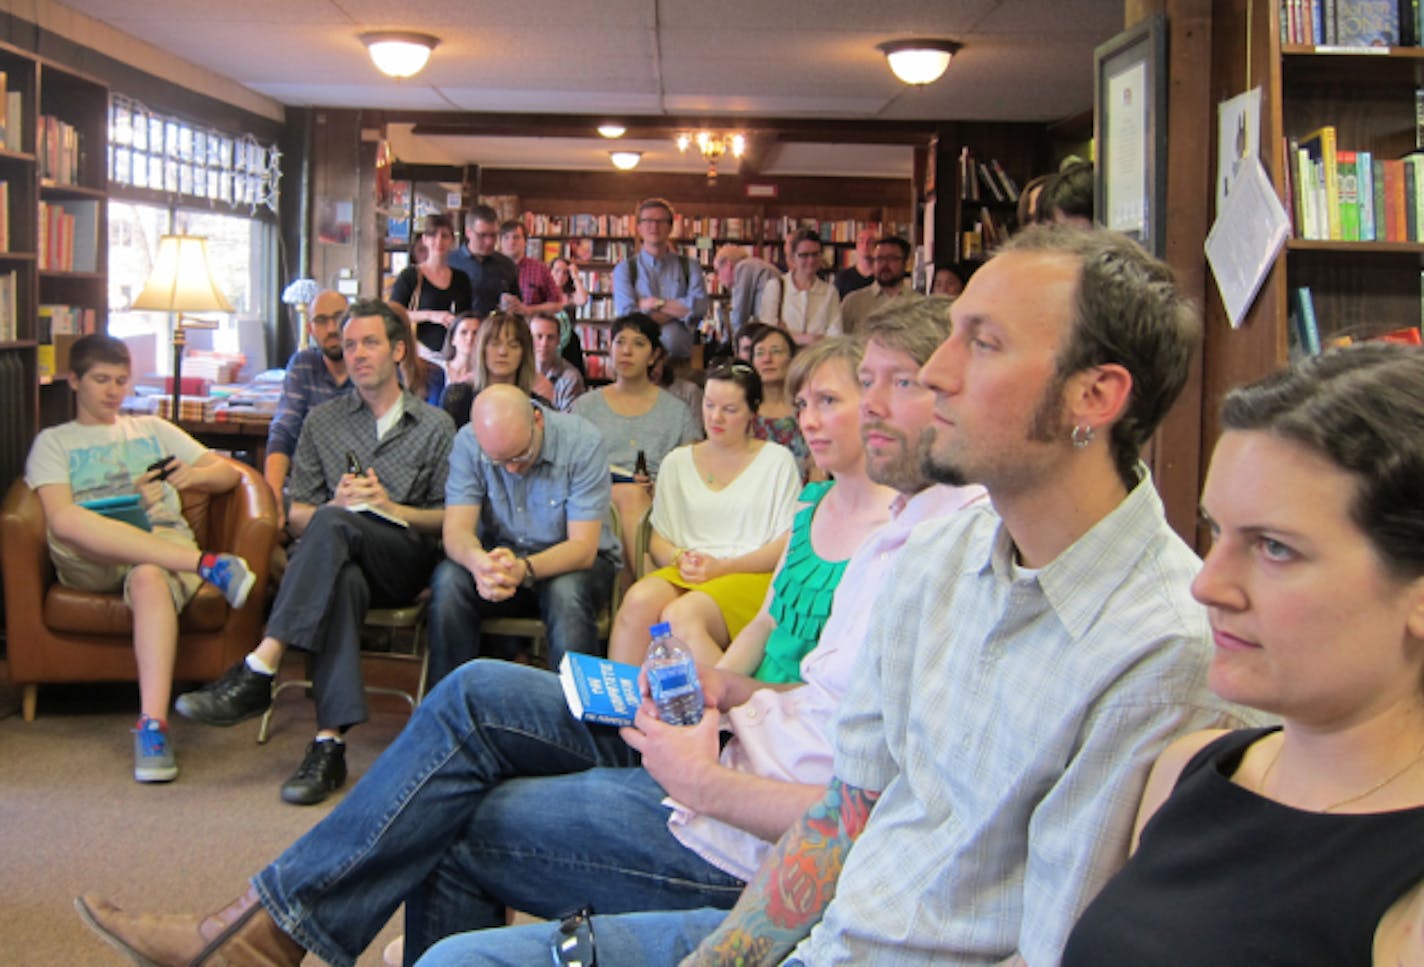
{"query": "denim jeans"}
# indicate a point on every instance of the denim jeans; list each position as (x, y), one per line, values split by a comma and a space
(658, 939)
(492, 795)
(568, 604)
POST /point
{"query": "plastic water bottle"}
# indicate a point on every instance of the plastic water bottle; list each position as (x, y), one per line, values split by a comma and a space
(672, 678)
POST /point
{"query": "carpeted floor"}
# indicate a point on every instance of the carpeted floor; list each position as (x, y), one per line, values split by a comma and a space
(72, 820)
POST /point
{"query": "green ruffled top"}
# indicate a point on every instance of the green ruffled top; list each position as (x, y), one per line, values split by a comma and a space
(804, 588)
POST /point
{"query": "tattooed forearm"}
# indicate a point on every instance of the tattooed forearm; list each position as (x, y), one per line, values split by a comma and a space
(794, 885)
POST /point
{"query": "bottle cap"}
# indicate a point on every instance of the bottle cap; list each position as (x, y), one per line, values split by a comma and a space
(660, 629)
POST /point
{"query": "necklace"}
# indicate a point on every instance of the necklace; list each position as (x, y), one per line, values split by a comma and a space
(1266, 775)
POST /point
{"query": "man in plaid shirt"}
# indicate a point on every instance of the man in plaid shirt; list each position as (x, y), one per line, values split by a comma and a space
(537, 288)
(367, 496)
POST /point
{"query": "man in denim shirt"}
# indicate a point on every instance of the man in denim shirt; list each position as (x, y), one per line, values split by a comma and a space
(380, 450)
(314, 376)
(526, 529)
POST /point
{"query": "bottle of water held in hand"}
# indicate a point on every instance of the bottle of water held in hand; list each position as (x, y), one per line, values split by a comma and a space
(672, 678)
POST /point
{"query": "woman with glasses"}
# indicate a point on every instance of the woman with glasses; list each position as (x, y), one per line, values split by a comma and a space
(504, 353)
(721, 513)
(772, 349)
(1298, 844)
(431, 291)
(810, 307)
(636, 416)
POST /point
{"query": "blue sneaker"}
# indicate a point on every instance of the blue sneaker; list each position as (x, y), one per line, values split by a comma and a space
(153, 756)
(229, 574)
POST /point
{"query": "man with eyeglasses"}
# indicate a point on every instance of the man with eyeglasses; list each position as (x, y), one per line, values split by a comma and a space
(314, 376)
(892, 254)
(809, 307)
(746, 277)
(660, 281)
(492, 274)
(368, 484)
(526, 530)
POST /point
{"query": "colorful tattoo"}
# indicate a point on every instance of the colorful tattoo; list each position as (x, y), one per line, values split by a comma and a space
(794, 885)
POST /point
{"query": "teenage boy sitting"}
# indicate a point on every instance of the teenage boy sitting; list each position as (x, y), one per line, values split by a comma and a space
(101, 454)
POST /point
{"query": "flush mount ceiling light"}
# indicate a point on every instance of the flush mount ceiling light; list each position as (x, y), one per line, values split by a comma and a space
(919, 61)
(625, 160)
(399, 53)
(612, 130)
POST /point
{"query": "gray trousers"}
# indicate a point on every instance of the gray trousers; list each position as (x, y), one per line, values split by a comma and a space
(343, 565)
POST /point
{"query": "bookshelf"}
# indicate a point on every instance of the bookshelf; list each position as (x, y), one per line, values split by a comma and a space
(1359, 288)
(54, 256)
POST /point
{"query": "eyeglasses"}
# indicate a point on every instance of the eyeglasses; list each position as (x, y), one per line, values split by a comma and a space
(326, 318)
(809, 255)
(765, 352)
(530, 452)
(888, 258)
(572, 944)
(655, 221)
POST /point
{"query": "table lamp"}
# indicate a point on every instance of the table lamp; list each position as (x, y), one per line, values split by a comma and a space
(299, 295)
(181, 282)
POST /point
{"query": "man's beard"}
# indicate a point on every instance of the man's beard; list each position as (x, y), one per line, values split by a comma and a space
(904, 472)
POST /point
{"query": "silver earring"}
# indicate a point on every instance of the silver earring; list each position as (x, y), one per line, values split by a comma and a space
(1081, 436)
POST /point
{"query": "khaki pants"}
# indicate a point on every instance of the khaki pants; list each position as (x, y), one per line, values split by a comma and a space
(77, 570)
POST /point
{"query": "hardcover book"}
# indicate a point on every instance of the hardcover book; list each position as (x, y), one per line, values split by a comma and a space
(599, 690)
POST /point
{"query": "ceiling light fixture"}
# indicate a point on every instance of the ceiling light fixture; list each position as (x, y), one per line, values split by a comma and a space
(399, 53)
(713, 147)
(612, 130)
(625, 160)
(919, 61)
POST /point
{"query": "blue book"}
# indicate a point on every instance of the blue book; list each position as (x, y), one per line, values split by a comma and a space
(127, 508)
(1367, 23)
(599, 690)
(1309, 336)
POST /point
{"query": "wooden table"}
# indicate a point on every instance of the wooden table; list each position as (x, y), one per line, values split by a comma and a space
(246, 440)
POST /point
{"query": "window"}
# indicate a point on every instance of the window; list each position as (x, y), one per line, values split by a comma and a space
(167, 176)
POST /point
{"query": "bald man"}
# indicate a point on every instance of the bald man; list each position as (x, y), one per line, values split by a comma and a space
(314, 376)
(526, 529)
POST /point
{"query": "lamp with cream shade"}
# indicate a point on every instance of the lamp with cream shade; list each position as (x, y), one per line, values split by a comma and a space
(181, 282)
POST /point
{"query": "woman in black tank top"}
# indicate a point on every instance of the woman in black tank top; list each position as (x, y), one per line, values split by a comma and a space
(1300, 845)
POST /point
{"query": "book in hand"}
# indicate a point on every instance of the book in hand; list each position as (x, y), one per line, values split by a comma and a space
(375, 513)
(127, 508)
(599, 690)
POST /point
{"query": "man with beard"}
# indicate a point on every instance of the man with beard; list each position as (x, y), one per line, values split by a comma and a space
(314, 376)
(495, 796)
(891, 284)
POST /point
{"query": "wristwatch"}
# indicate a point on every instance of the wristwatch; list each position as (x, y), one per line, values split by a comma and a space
(528, 580)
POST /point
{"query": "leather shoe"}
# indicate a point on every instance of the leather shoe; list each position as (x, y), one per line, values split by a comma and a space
(322, 772)
(241, 934)
(239, 695)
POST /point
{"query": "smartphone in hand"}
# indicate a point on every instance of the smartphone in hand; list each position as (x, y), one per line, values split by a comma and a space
(161, 465)
(353, 464)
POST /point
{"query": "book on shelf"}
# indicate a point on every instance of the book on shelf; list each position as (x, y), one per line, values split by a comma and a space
(1347, 199)
(9, 329)
(14, 121)
(1305, 327)
(1371, 201)
(600, 690)
(1351, 23)
(1320, 147)
(4, 216)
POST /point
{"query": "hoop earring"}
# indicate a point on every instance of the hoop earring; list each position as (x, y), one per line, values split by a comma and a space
(1081, 436)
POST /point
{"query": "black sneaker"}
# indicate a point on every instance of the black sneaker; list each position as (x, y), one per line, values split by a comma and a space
(322, 772)
(238, 696)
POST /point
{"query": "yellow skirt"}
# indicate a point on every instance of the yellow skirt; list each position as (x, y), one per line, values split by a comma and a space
(738, 596)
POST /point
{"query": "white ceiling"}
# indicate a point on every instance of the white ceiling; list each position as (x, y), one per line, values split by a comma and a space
(714, 59)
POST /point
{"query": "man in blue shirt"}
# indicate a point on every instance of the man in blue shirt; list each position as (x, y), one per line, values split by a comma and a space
(526, 529)
(659, 281)
(314, 376)
(492, 275)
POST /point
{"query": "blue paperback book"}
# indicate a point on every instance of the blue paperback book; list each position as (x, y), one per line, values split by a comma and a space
(127, 508)
(599, 690)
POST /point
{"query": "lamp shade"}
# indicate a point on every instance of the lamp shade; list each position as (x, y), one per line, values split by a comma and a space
(181, 280)
(399, 53)
(919, 61)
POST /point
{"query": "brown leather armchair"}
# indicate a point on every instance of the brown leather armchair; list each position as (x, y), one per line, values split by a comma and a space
(59, 634)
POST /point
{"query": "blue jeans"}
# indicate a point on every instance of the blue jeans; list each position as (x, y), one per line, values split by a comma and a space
(492, 796)
(568, 604)
(632, 940)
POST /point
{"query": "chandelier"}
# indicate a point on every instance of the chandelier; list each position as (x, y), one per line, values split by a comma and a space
(713, 147)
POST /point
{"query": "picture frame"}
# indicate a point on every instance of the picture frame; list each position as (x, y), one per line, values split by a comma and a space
(1130, 133)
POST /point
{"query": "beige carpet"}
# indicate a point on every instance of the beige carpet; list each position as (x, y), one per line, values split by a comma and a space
(72, 820)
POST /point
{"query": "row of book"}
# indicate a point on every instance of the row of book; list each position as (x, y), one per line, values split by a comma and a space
(12, 116)
(1303, 332)
(1352, 23)
(988, 232)
(60, 150)
(841, 230)
(984, 180)
(62, 320)
(69, 236)
(1352, 196)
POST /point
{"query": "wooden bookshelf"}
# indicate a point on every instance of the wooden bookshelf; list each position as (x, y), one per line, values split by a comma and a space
(67, 173)
(1358, 288)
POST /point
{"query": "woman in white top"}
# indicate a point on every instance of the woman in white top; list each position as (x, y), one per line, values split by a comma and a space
(810, 308)
(721, 515)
